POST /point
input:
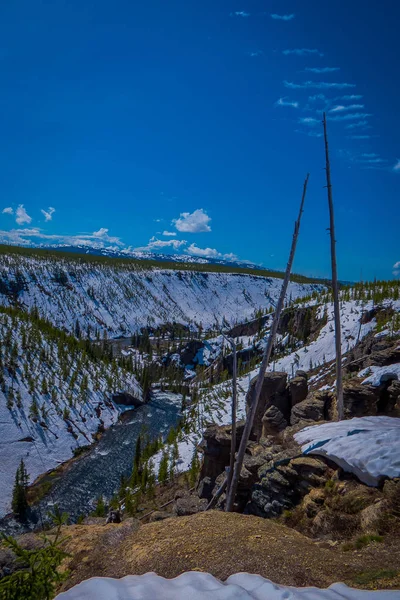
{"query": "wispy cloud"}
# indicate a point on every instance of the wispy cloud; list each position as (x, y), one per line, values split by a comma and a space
(396, 268)
(22, 216)
(8, 211)
(310, 121)
(359, 125)
(322, 69)
(284, 102)
(350, 116)
(169, 233)
(318, 98)
(48, 214)
(255, 53)
(359, 137)
(195, 222)
(318, 85)
(302, 52)
(341, 107)
(369, 155)
(310, 132)
(282, 17)
(396, 167)
(209, 253)
(350, 97)
(240, 13)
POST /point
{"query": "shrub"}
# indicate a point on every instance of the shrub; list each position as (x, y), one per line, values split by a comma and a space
(38, 575)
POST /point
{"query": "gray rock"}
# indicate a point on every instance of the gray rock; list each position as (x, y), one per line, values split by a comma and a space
(273, 421)
(298, 389)
(274, 392)
(314, 408)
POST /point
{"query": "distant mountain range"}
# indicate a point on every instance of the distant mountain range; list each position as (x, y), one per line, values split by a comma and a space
(141, 255)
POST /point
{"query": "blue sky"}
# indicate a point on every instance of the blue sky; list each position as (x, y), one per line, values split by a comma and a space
(121, 121)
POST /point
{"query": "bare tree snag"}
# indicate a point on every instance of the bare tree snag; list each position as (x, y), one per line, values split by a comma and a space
(335, 287)
(267, 354)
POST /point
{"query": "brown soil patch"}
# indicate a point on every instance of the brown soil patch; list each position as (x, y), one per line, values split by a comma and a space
(222, 544)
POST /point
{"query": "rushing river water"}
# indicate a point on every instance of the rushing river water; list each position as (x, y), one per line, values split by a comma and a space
(99, 471)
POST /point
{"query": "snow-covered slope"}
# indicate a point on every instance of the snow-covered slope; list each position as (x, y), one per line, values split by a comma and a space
(122, 297)
(369, 447)
(54, 396)
(203, 586)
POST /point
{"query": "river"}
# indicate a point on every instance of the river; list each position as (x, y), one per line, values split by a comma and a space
(99, 471)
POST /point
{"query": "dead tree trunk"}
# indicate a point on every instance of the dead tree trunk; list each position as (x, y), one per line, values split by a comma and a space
(335, 287)
(234, 405)
(267, 353)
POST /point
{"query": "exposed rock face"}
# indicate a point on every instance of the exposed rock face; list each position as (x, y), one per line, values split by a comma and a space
(274, 392)
(318, 406)
(300, 322)
(360, 400)
(298, 388)
(216, 448)
(283, 486)
(249, 328)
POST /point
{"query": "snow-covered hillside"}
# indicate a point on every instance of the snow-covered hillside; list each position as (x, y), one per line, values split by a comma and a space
(122, 297)
(55, 395)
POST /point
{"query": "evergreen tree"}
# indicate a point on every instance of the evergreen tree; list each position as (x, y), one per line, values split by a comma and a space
(163, 468)
(100, 510)
(19, 497)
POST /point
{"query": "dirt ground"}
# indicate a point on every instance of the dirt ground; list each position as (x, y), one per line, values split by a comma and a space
(222, 544)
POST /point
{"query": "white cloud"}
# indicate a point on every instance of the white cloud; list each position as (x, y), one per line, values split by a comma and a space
(318, 85)
(8, 211)
(209, 253)
(282, 17)
(155, 244)
(195, 222)
(341, 108)
(322, 69)
(101, 232)
(240, 13)
(397, 166)
(350, 117)
(255, 53)
(309, 121)
(359, 124)
(396, 268)
(48, 214)
(169, 233)
(369, 155)
(22, 216)
(302, 52)
(284, 102)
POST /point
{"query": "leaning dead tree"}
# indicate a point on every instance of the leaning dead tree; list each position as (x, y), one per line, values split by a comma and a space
(231, 493)
(335, 287)
(234, 405)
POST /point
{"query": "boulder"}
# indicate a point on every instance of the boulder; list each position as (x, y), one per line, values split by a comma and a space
(274, 392)
(371, 516)
(360, 400)
(159, 515)
(216, 449)
(298, 389)
(316, 407)
(273, 422)
(189, 505)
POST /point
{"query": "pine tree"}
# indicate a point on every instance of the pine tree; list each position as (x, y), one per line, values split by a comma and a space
(19, 502)
(163, 469)
(100, 510)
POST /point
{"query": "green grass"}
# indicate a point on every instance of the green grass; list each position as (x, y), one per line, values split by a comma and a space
(149, 264)
(368, 577)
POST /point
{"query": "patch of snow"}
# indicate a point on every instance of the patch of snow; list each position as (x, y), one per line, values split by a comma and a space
(203, 586)
(378, 375)
(368, 447)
